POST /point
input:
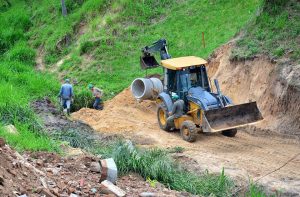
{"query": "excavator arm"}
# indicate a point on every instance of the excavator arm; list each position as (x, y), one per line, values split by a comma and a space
(148, 60)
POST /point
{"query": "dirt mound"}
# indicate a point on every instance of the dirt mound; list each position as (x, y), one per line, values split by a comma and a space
(275, 87)
(121, 114)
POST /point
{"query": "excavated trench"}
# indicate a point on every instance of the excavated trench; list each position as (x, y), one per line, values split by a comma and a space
(78, 134)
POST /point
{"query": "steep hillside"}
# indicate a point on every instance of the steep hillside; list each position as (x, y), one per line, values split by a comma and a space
(19, 83)
(99, 41)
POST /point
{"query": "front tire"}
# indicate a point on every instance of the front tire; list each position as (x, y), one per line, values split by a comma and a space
(162, 118)
(188, 131)
(230, 132)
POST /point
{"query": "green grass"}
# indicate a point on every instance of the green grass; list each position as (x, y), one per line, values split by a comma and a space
(275, 32)
(114, 33)
(19, 83)
(116, 30)
(156, 164)
(28, 140)
(258, 191)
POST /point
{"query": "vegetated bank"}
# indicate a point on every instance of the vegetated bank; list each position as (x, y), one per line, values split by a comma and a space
(275, 33)
(19, 83)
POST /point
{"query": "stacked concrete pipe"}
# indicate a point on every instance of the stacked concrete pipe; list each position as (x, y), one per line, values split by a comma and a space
(146, 89)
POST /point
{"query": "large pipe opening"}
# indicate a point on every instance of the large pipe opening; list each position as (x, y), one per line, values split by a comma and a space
(138, 88)
(146, 89)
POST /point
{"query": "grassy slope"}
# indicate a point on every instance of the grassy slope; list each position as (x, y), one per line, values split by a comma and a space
(113, 40)
(276, 32)
(19, 83)
(114, 34)
(116, 30)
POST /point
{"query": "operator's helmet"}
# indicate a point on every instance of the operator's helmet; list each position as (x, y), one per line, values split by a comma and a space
(174, 96)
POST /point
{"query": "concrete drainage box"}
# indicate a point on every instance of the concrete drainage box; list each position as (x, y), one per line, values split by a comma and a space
(109, 170)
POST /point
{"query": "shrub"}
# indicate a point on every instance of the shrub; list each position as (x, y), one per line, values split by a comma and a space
(21, 52)
(83, 98)
(86, 47)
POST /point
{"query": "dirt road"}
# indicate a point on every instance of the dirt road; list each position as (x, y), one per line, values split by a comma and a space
(243, 157)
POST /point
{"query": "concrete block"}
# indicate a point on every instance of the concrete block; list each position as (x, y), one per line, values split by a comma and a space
(109, 170)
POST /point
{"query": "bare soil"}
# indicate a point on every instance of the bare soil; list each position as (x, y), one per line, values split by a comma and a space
(252, 155)
(61, 176)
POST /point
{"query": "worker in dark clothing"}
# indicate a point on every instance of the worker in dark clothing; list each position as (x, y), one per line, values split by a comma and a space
(66, 95)
(177, 110)
(97, 93)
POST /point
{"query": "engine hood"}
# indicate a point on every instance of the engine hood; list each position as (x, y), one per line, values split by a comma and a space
(203, 98)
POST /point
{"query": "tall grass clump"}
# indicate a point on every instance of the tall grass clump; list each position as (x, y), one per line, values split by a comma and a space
(157, 165)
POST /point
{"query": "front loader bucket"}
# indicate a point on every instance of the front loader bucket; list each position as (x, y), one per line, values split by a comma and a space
(231, 117)
(148, 62)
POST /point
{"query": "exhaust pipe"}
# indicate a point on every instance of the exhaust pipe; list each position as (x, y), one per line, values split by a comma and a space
(146, 89)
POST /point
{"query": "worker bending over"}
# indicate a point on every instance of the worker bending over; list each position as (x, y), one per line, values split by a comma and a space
(177, 110)
(66, 94)
(97, 93)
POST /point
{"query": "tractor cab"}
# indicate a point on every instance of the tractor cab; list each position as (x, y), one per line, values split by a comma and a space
(184, 73)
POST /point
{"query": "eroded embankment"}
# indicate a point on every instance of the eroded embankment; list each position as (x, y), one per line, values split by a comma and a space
(275, 87)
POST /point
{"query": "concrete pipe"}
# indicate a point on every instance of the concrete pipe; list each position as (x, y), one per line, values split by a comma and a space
(146, 89)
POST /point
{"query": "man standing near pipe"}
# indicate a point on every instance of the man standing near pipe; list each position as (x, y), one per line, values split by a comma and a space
(177, 110)
(97, 93)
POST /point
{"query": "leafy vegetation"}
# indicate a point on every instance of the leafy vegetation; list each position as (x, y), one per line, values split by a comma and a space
(19, 83)
(275, 32)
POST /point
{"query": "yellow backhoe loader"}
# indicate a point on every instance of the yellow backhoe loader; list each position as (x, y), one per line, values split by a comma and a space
(205, 111)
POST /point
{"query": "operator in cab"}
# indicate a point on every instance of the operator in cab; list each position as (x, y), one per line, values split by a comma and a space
(177, 110)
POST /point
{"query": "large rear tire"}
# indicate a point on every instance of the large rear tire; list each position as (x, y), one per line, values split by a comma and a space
(162, 116)
(188, 131)
(230, 132)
